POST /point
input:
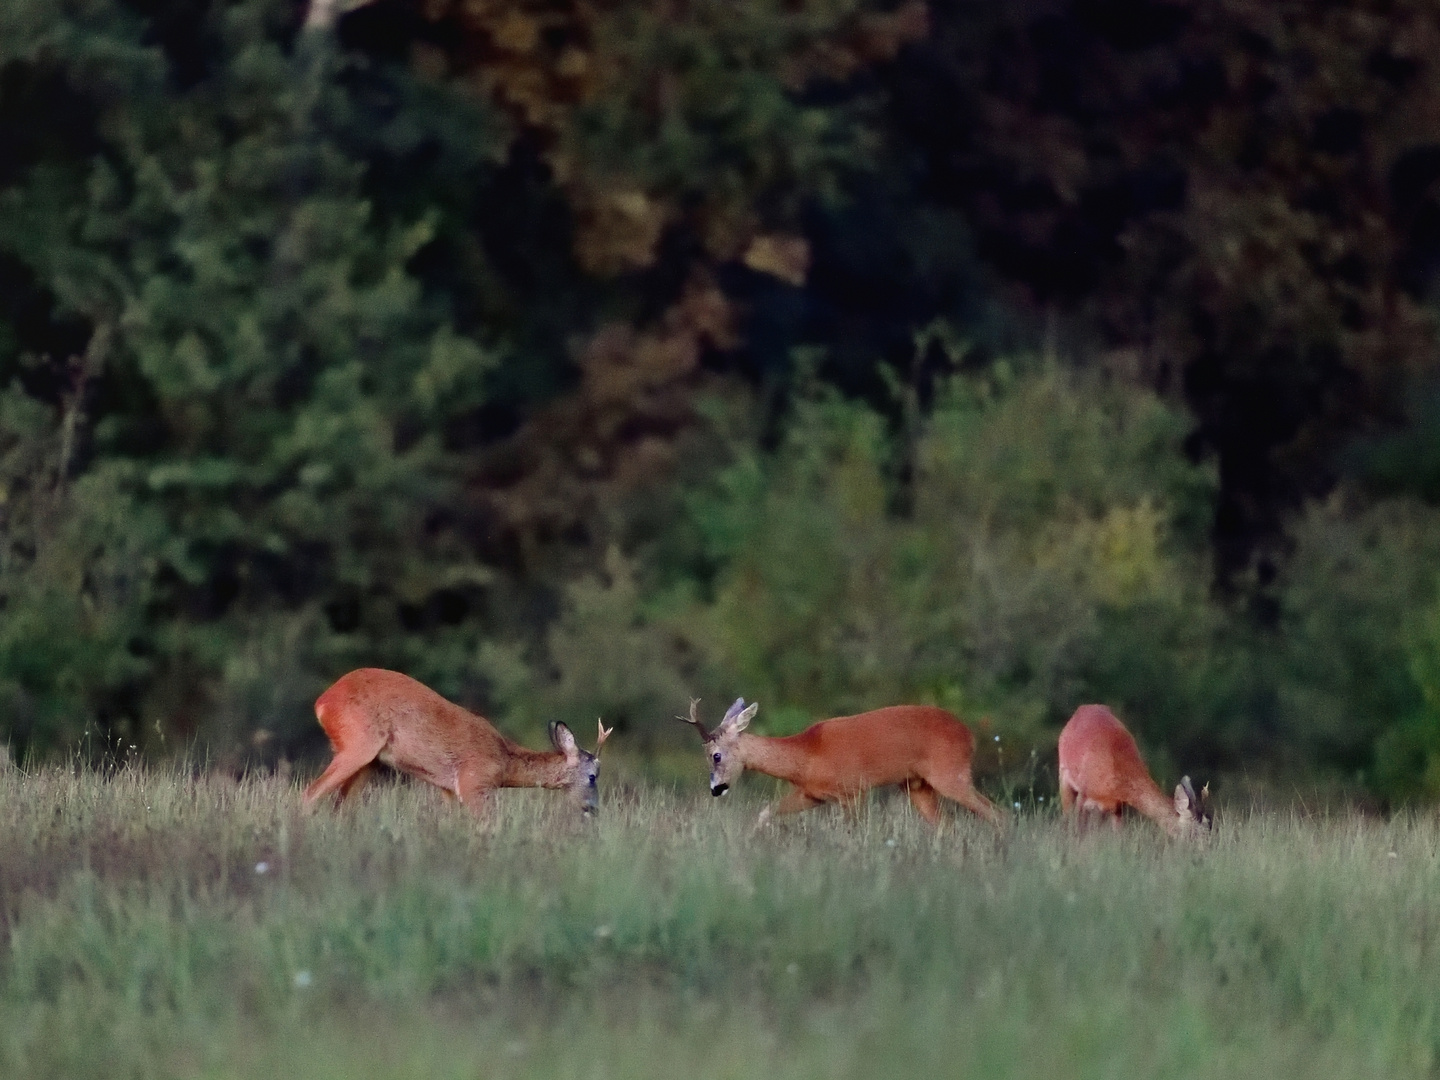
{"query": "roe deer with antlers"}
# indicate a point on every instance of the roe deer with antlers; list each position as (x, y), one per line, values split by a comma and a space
(375, 715)
(921, 748)
(1101, 770)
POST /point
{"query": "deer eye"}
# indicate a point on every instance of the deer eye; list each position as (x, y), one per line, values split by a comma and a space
(717, 759)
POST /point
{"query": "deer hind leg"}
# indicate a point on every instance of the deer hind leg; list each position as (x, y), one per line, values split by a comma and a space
(959, 787)
(1067, 797)
(359, 781)
(351, 759)
(924, 799)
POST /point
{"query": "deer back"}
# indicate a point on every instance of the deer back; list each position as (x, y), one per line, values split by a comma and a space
(1101, 763)
(889, 745)
(419, 732)
(1099, 756)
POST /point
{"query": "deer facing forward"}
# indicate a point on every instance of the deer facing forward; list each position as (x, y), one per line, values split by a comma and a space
(372, 715)
(1101, 770)
(923, 749)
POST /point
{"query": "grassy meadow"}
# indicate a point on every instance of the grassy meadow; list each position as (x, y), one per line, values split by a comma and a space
(163, 924)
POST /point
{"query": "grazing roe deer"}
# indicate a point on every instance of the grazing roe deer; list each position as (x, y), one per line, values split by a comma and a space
(375, 715)
(1101, 769)
(923, 749)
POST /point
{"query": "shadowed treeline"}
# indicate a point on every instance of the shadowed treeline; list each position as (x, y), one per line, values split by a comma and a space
(582, 357)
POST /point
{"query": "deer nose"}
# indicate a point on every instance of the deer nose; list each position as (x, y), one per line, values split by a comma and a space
(719, 789)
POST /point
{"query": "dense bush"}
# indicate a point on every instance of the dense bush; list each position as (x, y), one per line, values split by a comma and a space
(1360, 629)
(1033, 540)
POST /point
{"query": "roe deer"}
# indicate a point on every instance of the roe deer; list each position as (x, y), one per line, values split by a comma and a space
(375, 715)
(1100, 769)
(923, 749)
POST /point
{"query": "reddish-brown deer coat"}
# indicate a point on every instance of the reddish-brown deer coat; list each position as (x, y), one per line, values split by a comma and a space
(1101, 770)
(924, 749)
(373, 715)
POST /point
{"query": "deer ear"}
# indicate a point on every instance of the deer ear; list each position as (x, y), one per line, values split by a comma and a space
(1200, 803)
(742, 721)
(1183, 804)
(562, 739)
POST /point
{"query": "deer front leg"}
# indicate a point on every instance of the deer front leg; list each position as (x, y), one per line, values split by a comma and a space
(793, 803)
(472, 789)
(852, 805)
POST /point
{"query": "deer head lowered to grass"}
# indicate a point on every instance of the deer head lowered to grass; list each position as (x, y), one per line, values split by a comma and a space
(372, 715)
(921, 748)
(1101, 770)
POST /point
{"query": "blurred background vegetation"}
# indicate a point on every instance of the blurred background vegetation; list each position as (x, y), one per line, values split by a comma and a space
(581, 356)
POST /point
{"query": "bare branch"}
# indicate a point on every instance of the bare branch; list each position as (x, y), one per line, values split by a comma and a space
(323, 13)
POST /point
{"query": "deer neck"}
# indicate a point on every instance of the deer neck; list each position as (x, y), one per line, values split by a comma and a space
(783, 758)
(1145, 796)
(533, 768)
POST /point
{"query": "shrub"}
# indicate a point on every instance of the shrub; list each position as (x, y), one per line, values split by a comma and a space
(1359, 603)
(1037, 540)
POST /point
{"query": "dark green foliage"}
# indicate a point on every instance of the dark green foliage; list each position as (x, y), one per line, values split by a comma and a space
(1047, 548)
(581, 358)
(1359, 621)
(242, 483)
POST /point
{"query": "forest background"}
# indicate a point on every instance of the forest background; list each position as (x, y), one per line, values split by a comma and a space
(579, 357)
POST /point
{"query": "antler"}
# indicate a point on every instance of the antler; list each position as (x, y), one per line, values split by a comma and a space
(695, 720)
(605, 733)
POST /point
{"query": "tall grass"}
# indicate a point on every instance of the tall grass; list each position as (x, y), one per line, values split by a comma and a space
(162, 924)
